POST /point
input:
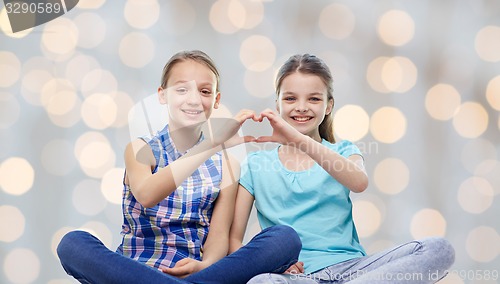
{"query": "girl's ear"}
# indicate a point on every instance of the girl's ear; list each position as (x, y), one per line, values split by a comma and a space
(162, 96)
(217, 100)
(329, 107)
(277, 106)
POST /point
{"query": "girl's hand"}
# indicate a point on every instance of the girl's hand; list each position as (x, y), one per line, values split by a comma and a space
(225, 130)
(283, 132)
(185, 267)
(296, 268)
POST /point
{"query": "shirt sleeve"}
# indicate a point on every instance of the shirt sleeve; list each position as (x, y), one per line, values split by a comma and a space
(347, 148)
(154, 144)
(246, 174)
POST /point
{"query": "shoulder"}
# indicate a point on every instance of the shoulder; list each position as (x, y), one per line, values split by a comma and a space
(137, 146)
(345, 144)
(158, 142)
(337, 143)
(255, 161)
(155, 139)
(139, 150)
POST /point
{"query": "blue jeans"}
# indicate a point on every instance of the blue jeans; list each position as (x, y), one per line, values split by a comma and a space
(424, 261)
(86, 258)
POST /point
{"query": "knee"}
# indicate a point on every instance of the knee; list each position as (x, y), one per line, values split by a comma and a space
(440, 249)
(289, 237)
(69, 244)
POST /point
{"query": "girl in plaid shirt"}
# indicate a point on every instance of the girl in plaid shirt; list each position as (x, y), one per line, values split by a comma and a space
(179, 196)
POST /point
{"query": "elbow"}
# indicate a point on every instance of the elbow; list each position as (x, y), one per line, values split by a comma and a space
(361, 185)
(147, 204)
(146, 200)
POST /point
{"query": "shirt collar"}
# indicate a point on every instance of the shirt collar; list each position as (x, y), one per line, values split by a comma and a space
(172, 150)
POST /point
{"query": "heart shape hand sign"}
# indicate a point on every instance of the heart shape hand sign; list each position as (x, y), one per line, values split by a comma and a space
(28, 14)
(225, 131)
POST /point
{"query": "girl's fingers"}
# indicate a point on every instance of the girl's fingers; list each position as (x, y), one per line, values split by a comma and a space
(269, 111)
(296, 268)
(249, 138)
(244, 115)
(292, 270)
(180, 269)
(176, 271)
(258, 118)
(300, 266)
(270, 115)
(266, 113)
(263, 139)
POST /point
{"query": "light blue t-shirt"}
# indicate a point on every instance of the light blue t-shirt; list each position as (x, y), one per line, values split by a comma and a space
(316, 205)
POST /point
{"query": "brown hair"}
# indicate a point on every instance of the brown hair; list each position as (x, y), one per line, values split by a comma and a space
(196, 55)
(310, 64)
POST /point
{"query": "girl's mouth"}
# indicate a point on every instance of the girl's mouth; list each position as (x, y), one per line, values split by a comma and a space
(302, 118)
(191, 112)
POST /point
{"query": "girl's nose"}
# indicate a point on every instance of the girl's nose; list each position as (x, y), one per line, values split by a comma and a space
(301, 107)
(193, 97)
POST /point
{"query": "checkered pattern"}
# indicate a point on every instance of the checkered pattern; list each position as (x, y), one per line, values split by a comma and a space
(177, 227)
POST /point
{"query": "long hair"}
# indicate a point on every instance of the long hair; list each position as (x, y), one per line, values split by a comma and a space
(310, 64)
(196, 55)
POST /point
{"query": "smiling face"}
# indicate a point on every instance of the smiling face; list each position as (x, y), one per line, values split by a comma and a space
(190, 94)
(303, 102)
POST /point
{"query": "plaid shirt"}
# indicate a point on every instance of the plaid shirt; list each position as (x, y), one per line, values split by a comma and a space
(177, 227)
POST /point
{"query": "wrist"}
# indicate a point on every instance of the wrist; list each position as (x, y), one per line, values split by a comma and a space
(207, 145)
(303, 143)
(205, 263)
(310, 146)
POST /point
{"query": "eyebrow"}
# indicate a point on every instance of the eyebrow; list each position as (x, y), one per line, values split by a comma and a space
(184, 81)
(310, 94)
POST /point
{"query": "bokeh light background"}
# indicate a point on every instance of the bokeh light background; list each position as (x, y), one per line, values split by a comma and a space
(417, 88)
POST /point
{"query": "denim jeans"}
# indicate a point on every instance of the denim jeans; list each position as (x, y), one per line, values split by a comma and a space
(86, 258)
(423, 261)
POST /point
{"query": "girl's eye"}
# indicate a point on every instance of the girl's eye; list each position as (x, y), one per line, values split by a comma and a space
(315, 99)
(206, 92)
(289, 99)
(181, 90)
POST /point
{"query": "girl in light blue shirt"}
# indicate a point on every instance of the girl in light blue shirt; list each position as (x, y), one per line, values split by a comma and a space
(305, 183)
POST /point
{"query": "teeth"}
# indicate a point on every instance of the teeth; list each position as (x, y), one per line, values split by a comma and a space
(302, 118)
(191, 112)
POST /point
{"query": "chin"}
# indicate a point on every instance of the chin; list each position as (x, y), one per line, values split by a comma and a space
(190, 123)
(304, 130)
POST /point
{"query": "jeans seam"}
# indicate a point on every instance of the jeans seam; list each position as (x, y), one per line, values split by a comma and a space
(385, 254)
(395, 248)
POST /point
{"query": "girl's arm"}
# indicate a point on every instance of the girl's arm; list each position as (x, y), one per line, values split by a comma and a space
(217, 243)
(350, 172)
(243, 208)
(244, 202)
(149, 189)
